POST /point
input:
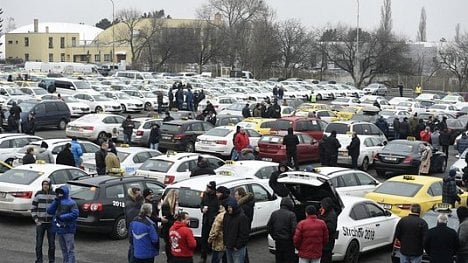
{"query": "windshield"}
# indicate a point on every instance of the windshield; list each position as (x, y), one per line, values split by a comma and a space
(15, 92)
(26, 107)
(122, 156)
(157, 165)
(398, 188)
(19, 176)
(69, 99)
(82, 85)
(101, 98)
(167, 127)
(340, 128)
(188, 198)
(81, 192)
(398, 148)
(219, 132)
(40, 91)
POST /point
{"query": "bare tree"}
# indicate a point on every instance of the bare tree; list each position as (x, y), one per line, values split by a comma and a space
(386, 17)
(294, 41)
(457, 33)
(454, 58)
(421, 37)
(131, 19)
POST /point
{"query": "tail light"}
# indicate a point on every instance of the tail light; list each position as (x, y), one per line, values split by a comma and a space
(408, 159)
(92, 207)
(396, 243)
(404, 206)
(283, 147)
(221, 142)
(179, 136)
(140, 133)
(88, 128)
(169, 179)
(25, 195)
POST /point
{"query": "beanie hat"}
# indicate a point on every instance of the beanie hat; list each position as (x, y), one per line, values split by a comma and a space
(47, 180)
(231, 202)
(147, 192)
(452, 173)
(224, 191)
(212, 185)
(462, 213)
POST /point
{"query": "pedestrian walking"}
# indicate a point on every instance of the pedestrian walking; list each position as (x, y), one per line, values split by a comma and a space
(275, 91)
(29, 125)
(196, 101)
(28, 158)
(400, 89)
(183, 242)
(275, 111)
(65, 156)
(160, 100)
(413, 124)
(202, 168)
(154, 137)
(291, 141)
(128, 125)
(443, 124)
(281, 227)
(216, 238)
(44, 154)
(133, 205)
(40, 203)
(444, 139)
(405, 129)
(449, 189)
(65, 213)
(426, 156)
(435, 139)
(419, 128)
(382, 124)
(462, 254)
(462, 144)
(76, 151)
(328, 215)
(241, 141)
(189, 98)
(332, 147)
(209, 207)
(396, 128)
(354, 150)
(324, 159)
(236, 232)
(112, 163)
(246, 111)
(168, 212)
(441, 242)
(143, 236)
(280, 92)
(15, 120)
(425, 135)
(100, 158)
(310, 237)
(417, 90)
(410, 232)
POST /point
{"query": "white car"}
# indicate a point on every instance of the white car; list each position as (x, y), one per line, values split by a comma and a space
(396, 100)
(219, 103)
(250, 169)
(411, 107)
(363, 225)
(375, 89)
(219, 140)
(190, 192)
(369, 147)
(141, 132)
(131, 158)
(12, 142)
(444, 108)
(173, 167)
(76, 107)
(394, 113)
(98, 103)
(428, 96)
(19, 185)
(344, 130)
(34, 92)
(150, 100)
(321, 92)
(346, 101)
(234, 109)
(459, 165)
(452, 99)
(94, 126)
(127, 103)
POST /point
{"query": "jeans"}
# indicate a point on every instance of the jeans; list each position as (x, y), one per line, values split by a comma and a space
(292, 160)
(154, 146)
(410, 259)
(67, 244)
(285, 252)
(130, 256)
(127, 138)
(217, 256)
(235, 256)
(309, 260)
(146, 260)
(40, 232)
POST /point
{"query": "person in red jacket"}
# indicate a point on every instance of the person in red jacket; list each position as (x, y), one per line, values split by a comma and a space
(426, 134)
(241, 141)
(183, 243)
(310, 237)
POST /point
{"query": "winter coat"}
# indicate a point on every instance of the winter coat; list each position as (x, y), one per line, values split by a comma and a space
(236, 229)
(278, 188)
(166, 211)
(65, 212)
(435, 140)
(463, 237)
(28, 158)
(449, 190)
(216, 233)
(100, 157)
(128, 126)
(444, 138)
(282, 223)
(241, 141)
(29, 126)
(112, 163)
(332, 146)
(65, 157)
(132, 206)
(189, 96)
(396, 125)
(183, 243)
(247, 203)
(202, 169)
(76, 151)
(382, 125)
(45, 156)
(413, 123)
(212, 202)
(328, 215)
(310, 237)
(462, 144)
(411, 231)
(354, 147)
(257, 112)
(275, 111)
(291, 141)
(425, 165)
(425, 135)
(40, 203)
(441, 243)
(144, 238)
(246, 112)
(405, 129)
(155, 135)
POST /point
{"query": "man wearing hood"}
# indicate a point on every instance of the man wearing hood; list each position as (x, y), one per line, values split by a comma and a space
(382, 124)
(328, 215)
(65, 212)
(143, 236)
(77, 151)
(441, 242)
(279, 188)
(449, 189)
(241, 141)
(183, 243)
(281, 227)
(236, 232)
(41, 201)
(291, 141)
(462, 254)
(209, 207)
(202, 168)
(44, 154)
(216, 233)
(246, 202)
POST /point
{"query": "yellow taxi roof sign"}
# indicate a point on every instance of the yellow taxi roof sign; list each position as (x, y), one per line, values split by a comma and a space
(225, 173)
(124, 145)
(408, 177)
(229, 162)
(40, 162)
(170, 152)
(411, 138)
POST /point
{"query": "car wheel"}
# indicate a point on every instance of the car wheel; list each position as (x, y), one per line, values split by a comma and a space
(119, 230)
(124, 109)
(98, 109)
(380, 173)
(352, 253)
(365, 164)
(190, 148)
(319, 97)
(148, 106)
(62, 124)
(443, 165)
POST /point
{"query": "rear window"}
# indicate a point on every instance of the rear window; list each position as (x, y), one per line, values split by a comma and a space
(170, 127)
(219, 132)
(340, 128)
(82, 192)
(161, 166)
(122, 156)
(399, 148)
(271, 139)
(188, 198)
(18, 176)
(282, 125)
(398, 188)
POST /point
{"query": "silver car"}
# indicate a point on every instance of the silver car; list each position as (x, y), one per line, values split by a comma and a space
(141, 131)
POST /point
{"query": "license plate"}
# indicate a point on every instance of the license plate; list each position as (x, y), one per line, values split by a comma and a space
(206, 142)
(166, 137)
(390, 158)
(386, 206)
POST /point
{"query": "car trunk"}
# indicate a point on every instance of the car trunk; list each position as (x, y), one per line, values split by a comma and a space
(270, 144)
(394, 158)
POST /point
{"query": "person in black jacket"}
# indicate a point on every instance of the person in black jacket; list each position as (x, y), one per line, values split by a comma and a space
(396, 128)
(323, 151)
(281, 226)
(291, 141)
(404, 129)
(275, 110)
(411, 231)
(279, 188)
(444, 139)
(354, 150)
(209, 206)
(132, 208)
(441, 242)
(236, 231)
(154, 136)
(332, 146)
(65, 156)
(128, 125)
(246, 202)
(100, 157)
(29, 125)
(28, 158)
(246, 111)
(328, 215)
(202, 168)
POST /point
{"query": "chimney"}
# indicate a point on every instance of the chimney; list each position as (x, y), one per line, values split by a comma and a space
(47, 29)
(36, 25)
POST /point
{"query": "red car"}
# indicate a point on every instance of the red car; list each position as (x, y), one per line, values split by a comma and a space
(310, 126)
(271, 147)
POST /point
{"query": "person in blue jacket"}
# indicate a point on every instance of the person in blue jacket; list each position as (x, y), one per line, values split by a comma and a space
(76, 151)
(65, 212)
(143, 236)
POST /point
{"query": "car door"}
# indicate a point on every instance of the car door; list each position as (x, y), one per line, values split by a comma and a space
(384, 225)
(59, 178)
(347, 184)
(113, 200)
(302, 150)
(365, 183)
(41, 115)
(183, 170)
(363, 227)
(254, 137)
(137, 160)
(51, 114)
(310, 147)
(434, 193)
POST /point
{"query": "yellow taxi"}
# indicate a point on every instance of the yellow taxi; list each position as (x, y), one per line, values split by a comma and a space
(326, 115)
(346, 113)
(260, 125)
(398, 193)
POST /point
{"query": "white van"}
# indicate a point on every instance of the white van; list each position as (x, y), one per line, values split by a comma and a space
(69, 86)
(135, 75)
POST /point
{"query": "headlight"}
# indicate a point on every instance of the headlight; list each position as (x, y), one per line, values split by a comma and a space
(75, 108)
(131, 104)
(108, 107)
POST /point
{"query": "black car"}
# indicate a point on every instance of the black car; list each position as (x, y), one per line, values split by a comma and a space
(180, 135)
(48, 113)
(404, 157)
(101, 201)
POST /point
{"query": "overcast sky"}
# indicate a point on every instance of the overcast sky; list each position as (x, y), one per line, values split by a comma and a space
(442, 15)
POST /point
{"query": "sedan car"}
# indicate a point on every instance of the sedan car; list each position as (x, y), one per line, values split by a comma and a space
(346, 101)
(445, 108)
(12, 142)
(141, 132)
(98, 103)
(369, 147)
(403, 156)
(35, 92)
(149, 99)
(272, 147)
(375, 89)
(94, 126)
(398, 193)
(181, 135)
(127, 103)
(18, 186)
(76, 107)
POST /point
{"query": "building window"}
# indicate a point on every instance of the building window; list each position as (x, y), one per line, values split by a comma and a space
(62, 42)
(51, 57)
(62, 57)
(51, 42)
(107, 57)
(10, 42)
(26, 41)
(16, 42)
(73, 41)
(26, 57)
(97, 58)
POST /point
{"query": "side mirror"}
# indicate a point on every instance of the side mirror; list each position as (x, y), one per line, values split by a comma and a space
(388, 213)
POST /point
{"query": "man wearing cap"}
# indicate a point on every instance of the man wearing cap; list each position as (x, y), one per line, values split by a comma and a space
(128, 126)
(41, 201)
(209, 207)
(410, 231)
(449, 189)
(148, 197)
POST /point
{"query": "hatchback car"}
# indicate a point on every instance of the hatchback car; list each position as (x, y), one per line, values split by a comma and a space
(271, 147)
(48, 113)
(141, 132)
(261, 125)
(181, 135)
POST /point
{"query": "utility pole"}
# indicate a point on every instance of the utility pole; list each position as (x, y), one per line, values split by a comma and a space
(113, 32)
(356, 73)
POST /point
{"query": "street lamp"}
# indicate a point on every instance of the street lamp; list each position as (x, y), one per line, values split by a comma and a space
(113, 31)
(356, 73)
